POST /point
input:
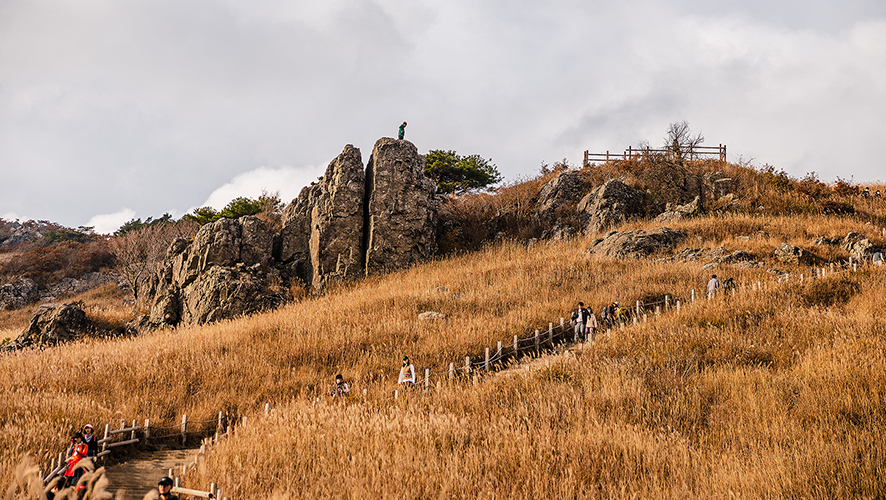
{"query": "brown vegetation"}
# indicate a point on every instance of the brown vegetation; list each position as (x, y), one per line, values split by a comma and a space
(772, 393)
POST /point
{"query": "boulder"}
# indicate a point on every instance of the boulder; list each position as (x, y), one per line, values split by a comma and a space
(225, 272)
(431, 316)
(858, 246)
(609, 205)
(679, 212)
(18, 294)
(336, 237)
(401, 207)
(562, 192)
(52, 324)
(790, 254)
(638, 243)
(717, 185)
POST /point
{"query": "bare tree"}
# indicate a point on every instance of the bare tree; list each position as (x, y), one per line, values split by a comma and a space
(139, 252)
(680, 139)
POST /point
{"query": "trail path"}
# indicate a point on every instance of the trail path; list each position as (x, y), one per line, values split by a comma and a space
(140, 474)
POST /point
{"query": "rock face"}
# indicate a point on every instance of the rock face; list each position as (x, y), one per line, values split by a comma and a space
(609, 205)
(18, 294)
(336, 236)
(401, 213)
(638, 243)
(225, 272)
(53, 324)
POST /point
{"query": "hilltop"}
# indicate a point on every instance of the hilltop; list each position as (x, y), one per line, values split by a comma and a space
(778, 393)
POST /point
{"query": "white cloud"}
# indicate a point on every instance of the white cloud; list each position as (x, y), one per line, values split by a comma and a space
(287, 180)
(108, 223)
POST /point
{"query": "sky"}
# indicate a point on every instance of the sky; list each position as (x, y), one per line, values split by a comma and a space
(114, 110)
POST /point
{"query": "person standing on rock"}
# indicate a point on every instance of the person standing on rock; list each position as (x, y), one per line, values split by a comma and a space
(713, 287)
(164, 486)
(402, 131)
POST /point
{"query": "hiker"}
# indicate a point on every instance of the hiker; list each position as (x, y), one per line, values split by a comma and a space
(580, 319)
(402, 131)
(877, 195)
(78, 452)
(590, 326)
(407, 372)
(866, 193)
(340, 389)
(164, 486)
(90, 440)
(713, 287)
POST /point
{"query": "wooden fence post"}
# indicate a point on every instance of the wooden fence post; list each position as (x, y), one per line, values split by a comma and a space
(692, 295)
(134, 425)
(221, 418)
(657, 310)
(486, 362)
(147, 429)
(451, 371)
(667, 302)
(396, 393)
(551, 333)
(107, 433)
(213, 490)
(516, 345)
(267, 408)
(427, 378)
(184, 429)
(498, 351)
(637, 307)
(467, 364)
(537, 340)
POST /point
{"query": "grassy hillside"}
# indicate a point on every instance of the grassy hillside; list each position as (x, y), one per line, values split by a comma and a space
(779, 393)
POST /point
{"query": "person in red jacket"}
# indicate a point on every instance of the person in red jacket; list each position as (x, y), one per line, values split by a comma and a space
(79, 450)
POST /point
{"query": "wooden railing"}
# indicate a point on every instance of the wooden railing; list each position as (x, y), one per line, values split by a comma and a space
(690, 153)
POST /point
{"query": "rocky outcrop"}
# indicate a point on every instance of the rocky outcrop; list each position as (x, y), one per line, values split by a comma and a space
(790, 254)
(225, 272)
(679, 212)
(562, 192)
(858, 246)
(609, 205)
(336, 236)
(401, 212)
(53, 324)
(18, 294)
(638, 243)
(348, 224)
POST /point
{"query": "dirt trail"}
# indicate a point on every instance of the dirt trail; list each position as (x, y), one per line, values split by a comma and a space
(140, 474)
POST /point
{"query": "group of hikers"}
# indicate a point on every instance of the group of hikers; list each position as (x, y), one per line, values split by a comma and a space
(340, 388)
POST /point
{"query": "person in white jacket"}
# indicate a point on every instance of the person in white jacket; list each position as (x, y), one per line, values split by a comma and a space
(407, 372)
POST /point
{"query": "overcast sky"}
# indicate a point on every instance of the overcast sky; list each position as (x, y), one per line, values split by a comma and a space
(113, 109)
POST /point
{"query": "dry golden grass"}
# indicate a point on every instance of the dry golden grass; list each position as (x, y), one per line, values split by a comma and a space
(776, 393)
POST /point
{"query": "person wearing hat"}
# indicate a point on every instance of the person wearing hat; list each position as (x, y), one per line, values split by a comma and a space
(79, 450)
(90, 440)
(340, 389)
(407, 372)
(164, 486)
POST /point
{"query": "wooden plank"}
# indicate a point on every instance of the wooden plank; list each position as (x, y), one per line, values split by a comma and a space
(123, 443)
